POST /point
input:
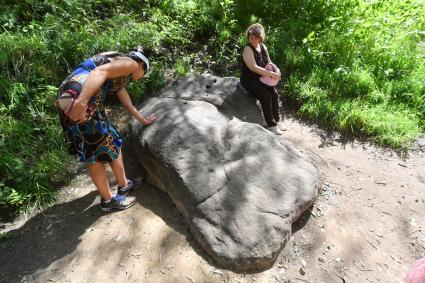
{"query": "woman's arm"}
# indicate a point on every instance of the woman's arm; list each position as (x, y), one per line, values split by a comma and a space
(270, 61)
(249, 59)
(126, 102)
(95, 80)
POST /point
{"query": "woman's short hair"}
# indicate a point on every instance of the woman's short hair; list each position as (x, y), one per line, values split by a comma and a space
(256, 30)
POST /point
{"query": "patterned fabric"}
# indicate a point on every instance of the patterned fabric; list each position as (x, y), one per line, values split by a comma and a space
(95, 140)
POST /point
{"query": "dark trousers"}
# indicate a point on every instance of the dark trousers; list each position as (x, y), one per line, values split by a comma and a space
(268, 97)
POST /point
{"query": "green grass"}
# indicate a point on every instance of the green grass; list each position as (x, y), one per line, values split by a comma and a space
(361, 71)
(182, 67)
(40, 42)
(372, 115)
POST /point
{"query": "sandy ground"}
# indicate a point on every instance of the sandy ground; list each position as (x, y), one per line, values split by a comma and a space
(367, 225)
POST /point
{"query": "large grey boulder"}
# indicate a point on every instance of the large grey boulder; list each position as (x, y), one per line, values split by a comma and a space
(238, 185)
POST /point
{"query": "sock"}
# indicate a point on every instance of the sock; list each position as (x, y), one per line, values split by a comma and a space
(128, 183)
(104, 201)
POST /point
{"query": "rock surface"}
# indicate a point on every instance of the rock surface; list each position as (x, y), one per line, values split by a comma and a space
(239, 186)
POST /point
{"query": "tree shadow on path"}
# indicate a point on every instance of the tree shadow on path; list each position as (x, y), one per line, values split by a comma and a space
(47, 237)
(56, 232)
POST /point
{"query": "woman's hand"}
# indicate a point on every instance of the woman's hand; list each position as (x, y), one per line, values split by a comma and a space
(149, 120)
(275, 76)
(125, 99)
(78, 112)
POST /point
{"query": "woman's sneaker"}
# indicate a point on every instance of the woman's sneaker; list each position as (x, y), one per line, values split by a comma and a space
(281, 126)
(119, 202)
(131, 185)
(275, 130)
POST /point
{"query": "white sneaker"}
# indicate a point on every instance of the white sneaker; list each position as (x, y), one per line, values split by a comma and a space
(275, 130)
(281, 126)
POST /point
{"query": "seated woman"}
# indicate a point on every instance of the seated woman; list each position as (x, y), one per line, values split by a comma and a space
(88, 132)
(255, 59)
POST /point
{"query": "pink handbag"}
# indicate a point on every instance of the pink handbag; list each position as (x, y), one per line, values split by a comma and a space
(268, 80)
(417, 272)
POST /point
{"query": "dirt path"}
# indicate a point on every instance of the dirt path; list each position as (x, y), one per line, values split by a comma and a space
(368, 225)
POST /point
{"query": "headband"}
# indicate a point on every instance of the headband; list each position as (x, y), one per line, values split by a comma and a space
(142, 57)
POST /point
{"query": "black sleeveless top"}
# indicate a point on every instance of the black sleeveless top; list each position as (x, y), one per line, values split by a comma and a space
(261, 59)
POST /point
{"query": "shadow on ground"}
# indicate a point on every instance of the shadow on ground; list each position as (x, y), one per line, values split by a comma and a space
(56, 233)
(46, 237)
(162, 205)
(159, 202)
(328, 136)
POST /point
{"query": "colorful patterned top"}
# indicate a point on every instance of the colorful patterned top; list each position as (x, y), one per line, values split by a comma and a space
(95, 140)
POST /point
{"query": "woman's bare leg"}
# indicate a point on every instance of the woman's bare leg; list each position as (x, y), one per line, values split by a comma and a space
(117, 167)
(100, 179)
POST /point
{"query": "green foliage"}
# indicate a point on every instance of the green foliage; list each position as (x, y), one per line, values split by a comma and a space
(356, 66)
(182, 67)
(40, 43)
(383, 122)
